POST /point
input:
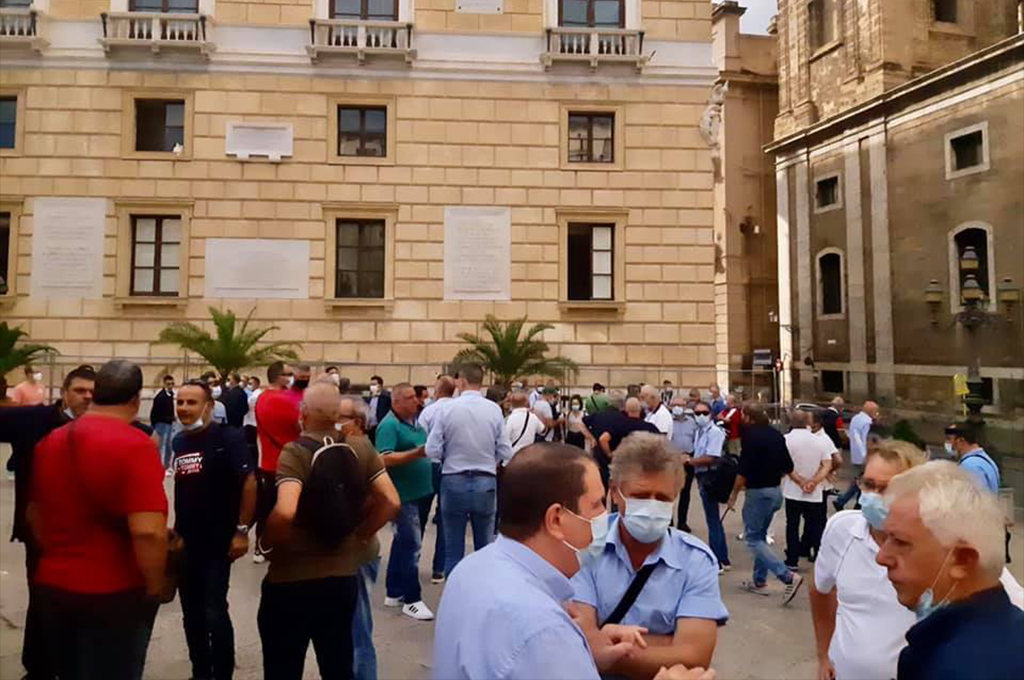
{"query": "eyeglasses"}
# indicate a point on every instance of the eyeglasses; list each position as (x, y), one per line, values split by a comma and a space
(870, 486)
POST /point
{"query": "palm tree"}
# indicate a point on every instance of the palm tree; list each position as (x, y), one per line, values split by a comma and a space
(12, 357)
(508, 356)
(232, 349)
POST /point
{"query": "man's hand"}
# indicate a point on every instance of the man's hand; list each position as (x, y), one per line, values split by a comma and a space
(239, 546)
(613, 643)
(619, 633)
(825, 669)
(681, 672)
(731, 503)
(808, 486)
(421, 452)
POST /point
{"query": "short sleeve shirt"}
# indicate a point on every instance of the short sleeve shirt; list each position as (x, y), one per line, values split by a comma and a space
(303, 558)
(413, 480)
(808, 452)
(543, 410)
(981, 465)
(277, 422)
(522, 427)
(684, 584)
(661, 419)
(85, 483)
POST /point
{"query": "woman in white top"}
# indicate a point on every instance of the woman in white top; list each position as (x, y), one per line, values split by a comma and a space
(576, 432)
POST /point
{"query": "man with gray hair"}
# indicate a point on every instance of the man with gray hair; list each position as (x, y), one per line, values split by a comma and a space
(657, 412)
(943, 551)
(679, 602)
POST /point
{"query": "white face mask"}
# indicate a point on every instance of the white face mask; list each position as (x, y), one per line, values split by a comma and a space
(950, 449)
(38, 377)
(336, 378)
(215, 391)
(703, 419)
(198, 425)
(678, 411)
(375, 389)
(646, 519)
(291, 381)
(598, 534)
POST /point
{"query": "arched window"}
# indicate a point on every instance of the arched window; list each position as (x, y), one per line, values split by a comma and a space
(830, 282)
(973, 240)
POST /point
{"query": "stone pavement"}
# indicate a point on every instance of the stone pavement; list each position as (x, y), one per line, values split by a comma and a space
(761, 640)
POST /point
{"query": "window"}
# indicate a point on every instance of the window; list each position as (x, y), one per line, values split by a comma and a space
(977, 241)
(362, 131)
(832, 382)
(167, 6)
(967, 151)
(582, 13)
(821, 22)
(15, 3)
(359, 269)
(156, 256)
(8, 122)
(6, 271)
(591, 260)
(591, 137)
(984, 389)
(830, 279)
(826, 194)
(159, 124)
(945, 10)
(375, 10)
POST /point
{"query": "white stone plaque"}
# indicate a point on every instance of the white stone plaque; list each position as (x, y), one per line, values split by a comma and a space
(479, 6)
(67, 247)
(257, 268)
(477, 253)
(273, 140)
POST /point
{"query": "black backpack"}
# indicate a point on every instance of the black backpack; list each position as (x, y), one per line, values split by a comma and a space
(722, 478)
(332, 498)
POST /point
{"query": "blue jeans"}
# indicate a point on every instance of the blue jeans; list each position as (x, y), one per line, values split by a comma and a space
(403, 575)
(854, 490)
(467, 498)
(716, 534)
(425, 504)
(759, 507)
(364, 656)
(165, 432)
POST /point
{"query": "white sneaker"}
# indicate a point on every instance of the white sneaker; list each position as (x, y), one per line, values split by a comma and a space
(10, 476)
(791, 589)
(419, 611)
(770, 540)
(392, 602)
(740, 536)
(258, 558)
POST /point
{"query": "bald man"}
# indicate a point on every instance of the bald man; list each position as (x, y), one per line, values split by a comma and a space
(860, 426)
(310, 591)
(622, 428)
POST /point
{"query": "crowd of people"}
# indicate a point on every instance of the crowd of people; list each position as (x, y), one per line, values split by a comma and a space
(576, 569)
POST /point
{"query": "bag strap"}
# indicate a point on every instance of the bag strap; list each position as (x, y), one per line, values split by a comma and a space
(639, 581)
(984, 458)
(526, 422)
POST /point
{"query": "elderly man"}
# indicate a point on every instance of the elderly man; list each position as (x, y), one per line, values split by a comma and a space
(801, 488)
(657, 412)
(715, 400)
(860, 426)
(623, 427)
(522, 425)
(684, 430)
(679, 603)
(943, 551)
(470, 441)
(401, 441)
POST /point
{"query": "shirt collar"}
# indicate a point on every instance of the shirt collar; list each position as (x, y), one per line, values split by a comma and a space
(663, 552)
(553, 581)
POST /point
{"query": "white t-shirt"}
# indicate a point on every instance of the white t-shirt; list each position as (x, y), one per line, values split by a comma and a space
(543, 409)
(808, 451)
(661, 419)
(514, 428)
(870, 621)
(250, 415)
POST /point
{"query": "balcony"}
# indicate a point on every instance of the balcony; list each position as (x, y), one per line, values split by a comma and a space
(19, 28)
(360, 38)
(157, 31)
(595, 46)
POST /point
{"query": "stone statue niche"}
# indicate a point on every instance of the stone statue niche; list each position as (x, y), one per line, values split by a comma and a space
(711, 124)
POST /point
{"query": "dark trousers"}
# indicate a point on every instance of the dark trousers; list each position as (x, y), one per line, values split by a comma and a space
(204, 608)
(292, 615)
(811, 514)
(252, 439)
(94, 637)
(34, 657)
(684, 499)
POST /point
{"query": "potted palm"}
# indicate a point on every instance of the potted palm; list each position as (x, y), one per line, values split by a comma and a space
(14, 356)
(233, 345)
(504, 350)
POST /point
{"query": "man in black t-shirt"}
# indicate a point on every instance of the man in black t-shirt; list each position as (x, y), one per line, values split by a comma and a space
(613, 427)
(214, 502)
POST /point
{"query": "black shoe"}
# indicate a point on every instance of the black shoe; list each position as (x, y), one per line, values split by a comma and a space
(835, 504)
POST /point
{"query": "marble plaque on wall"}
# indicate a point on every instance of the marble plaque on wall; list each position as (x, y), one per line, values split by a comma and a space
(67, 247)
(477, 253)
(479, 6)
(257, 268)
(272, 140)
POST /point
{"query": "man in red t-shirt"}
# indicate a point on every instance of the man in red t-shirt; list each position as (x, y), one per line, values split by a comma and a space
(99, 513)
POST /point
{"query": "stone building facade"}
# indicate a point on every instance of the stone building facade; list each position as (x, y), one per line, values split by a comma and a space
(306, 159)
(897, 151)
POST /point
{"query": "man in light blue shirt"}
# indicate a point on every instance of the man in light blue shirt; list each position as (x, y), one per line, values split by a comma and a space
(429, 416)
(502, 614)
(469, 439)
(859, 428)
(684, 430)
(680, 603)
(708, 447)
(962, 441)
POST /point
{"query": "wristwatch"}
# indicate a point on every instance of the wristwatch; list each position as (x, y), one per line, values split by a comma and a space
(243, 529)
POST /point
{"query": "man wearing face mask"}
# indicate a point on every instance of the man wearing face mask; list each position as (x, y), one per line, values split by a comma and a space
(161, 417)
(379, 402)
(708, 447)
(684, 430)
(236, 401)
(943, 552)
(214, 503)
(502, 614)
(678, 600)
(31, 391)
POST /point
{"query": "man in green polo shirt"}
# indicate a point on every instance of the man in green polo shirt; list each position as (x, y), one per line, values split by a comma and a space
(401, 443)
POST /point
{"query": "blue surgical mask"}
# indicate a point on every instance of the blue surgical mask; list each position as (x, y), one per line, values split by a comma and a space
(598, 534)
(678, 411)
(874, 509)
(646, 519)
(949, 448)
(703, 419)
(926, 605)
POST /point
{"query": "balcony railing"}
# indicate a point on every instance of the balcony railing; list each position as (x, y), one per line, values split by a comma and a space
(595, 46)
(20, 26)
(360, 38)
(156, 30)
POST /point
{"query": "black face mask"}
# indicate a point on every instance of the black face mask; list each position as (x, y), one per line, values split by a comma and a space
(301, 384)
